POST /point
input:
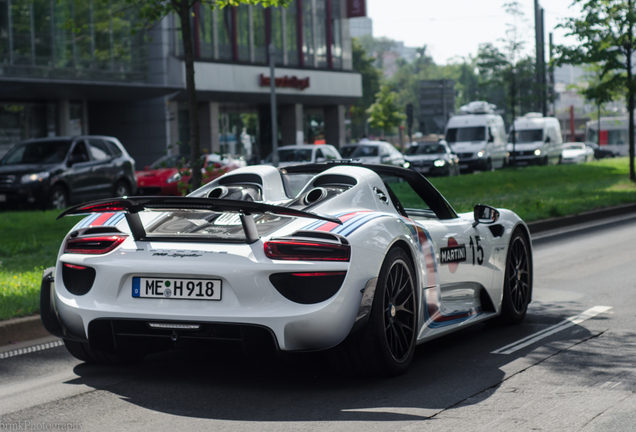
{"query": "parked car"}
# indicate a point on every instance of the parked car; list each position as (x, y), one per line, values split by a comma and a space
(307, 153)
(432, 159)
(165, 174)
(477, 135)
(574, 153)
(537, 140)
(367, 262)
(56, 172)
(378, 152)
(347, 150)
(601, 152)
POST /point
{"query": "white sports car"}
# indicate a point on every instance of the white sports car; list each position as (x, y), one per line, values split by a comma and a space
(365, 261)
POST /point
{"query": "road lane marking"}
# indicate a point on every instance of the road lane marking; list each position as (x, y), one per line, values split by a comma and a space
(567, 323)
(31, 349)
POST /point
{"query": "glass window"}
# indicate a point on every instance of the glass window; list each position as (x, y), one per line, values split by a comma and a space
(294, 155)
(463, 134)
(336, 29)
(98, 149)
(321, 33)
(308, 33)
(206, 31)
(291, 32)
(426, 149)
(406, 197)
(527, 136)
(114, 148)
(224, 32)
(277, 33)
(365, 151)
(260, 39)
(42, 152)
(243, 32)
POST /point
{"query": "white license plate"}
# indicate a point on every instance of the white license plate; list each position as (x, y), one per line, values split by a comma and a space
(180, 289)
(3, 198)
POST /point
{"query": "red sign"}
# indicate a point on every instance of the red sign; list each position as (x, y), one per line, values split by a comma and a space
(356, 8)
(286, 81)
(603, 138)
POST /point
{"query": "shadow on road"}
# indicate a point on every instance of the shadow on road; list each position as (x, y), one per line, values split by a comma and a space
(445, 372)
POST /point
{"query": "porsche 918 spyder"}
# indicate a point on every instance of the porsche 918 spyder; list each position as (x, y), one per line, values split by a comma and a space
(362, 261)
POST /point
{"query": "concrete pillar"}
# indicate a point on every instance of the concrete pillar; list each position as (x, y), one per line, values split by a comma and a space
(85, 130)
(291, 124)
(63, 117)
(334, 116)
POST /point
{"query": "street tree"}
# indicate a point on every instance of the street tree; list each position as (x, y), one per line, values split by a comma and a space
(152, 11)
(385, 113)
(364, 65)
(605, 36)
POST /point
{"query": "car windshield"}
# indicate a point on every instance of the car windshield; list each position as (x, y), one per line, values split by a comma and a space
(425, 149)
(574, 147)
(294, 155)
(463, 134)
(168, 162)
(365, 151)
(38, 152)
(527, 136)
(347, 151)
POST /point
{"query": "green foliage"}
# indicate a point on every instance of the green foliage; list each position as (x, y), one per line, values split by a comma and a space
(363, 64)
(541, 192)
(605, 39)
(385, 113)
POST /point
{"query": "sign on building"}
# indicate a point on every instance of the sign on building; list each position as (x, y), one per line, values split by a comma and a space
(437, 103)
(356, 8)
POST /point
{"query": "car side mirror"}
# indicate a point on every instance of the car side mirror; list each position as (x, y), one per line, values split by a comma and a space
(485, 214)
(547, 140)
(385, 158)
(320, 159)
(491, 138)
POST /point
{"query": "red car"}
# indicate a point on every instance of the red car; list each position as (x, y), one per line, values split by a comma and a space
(165, 178)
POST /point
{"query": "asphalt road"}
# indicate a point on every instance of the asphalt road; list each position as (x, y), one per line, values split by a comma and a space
(576, 376)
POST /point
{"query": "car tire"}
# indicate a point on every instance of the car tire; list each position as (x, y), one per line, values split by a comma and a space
(386, 345)
(58, 198)
(122, 189)
(517, 289)
(83, 351)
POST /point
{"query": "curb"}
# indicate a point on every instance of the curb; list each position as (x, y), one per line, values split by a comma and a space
(589, 216)
(21, 329)
(27, 328)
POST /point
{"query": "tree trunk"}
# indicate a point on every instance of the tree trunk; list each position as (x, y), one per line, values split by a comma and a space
(193, 108)
(630, 103)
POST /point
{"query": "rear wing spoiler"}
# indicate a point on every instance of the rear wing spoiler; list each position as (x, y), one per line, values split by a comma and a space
(131, 206)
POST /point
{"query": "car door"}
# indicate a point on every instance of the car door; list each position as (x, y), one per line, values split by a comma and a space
(464, 260)
(78, 176)
(103, 169)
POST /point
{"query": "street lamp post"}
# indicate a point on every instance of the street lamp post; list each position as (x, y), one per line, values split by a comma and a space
(272, 101)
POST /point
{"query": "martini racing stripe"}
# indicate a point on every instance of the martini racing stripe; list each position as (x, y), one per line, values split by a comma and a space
(101, 219)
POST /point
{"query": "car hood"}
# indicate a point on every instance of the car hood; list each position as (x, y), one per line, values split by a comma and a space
(23, 169)
(424, 157)
(159, 174)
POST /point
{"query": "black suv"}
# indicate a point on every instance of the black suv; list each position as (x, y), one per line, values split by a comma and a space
(56, 172)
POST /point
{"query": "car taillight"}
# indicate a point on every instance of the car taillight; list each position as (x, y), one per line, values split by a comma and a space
(300, 250)
(94, 245)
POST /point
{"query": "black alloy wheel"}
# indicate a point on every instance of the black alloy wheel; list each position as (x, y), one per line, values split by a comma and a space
(399, 311)
(122, 189)
(386, 344)
(518, 280)
(58, 198)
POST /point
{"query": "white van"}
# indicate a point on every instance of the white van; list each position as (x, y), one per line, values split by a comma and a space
(538, 140)
(478, 137)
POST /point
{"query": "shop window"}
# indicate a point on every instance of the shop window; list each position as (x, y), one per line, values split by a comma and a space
(321, 34)
(260, 38)
(243, 33)
(308, 33)
(224, 32)
(291, 32)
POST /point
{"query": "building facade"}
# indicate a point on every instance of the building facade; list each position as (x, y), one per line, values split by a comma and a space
(80, 67)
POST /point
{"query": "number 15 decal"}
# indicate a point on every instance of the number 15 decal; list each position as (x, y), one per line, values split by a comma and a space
(480, 250)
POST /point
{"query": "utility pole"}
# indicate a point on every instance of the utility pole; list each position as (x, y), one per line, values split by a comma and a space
(272, 102)
(513, 91)
(540, 60)
(552, 89)
(630, 90)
